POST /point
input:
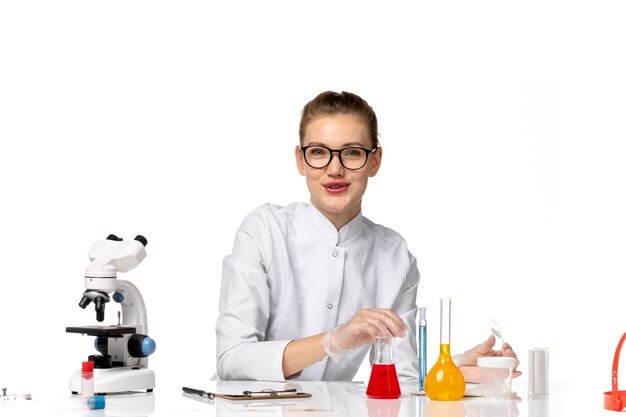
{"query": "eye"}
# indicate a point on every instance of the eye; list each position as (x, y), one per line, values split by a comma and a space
(353, 153)
(317, 152)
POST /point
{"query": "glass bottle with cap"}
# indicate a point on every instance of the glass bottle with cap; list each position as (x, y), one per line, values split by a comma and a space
(86, 379)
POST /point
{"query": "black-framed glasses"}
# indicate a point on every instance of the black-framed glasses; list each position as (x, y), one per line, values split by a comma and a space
(318, 156)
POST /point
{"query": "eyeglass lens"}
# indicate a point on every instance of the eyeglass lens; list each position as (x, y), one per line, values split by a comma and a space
(351, 158)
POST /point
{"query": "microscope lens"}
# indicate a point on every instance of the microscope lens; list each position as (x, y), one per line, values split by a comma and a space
(84, 302)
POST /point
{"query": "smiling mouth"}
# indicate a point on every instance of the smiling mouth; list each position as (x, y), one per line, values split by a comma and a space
(336, 187)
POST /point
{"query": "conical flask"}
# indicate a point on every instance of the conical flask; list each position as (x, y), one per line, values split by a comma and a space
(444, 381)
(383, 382)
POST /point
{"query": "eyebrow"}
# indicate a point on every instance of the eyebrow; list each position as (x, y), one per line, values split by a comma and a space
(345, 145)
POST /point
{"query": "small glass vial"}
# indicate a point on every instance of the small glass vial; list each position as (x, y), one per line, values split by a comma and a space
(86, 380)
(383, 382)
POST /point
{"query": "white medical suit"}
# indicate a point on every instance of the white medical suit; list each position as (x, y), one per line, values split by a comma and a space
(292, 274)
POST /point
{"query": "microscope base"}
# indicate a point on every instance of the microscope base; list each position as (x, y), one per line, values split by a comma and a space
(116, 380)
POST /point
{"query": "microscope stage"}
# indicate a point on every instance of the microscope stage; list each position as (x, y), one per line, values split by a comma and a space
(107, 331)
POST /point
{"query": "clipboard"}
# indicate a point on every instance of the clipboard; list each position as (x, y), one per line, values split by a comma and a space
(263, 395)
(266, 394)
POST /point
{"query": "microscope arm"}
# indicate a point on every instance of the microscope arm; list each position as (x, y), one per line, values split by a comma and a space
(133, 306)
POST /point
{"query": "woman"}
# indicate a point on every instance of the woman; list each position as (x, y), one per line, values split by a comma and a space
(309, 282)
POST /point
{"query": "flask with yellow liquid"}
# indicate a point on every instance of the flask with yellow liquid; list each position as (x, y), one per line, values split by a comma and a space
(444, 381)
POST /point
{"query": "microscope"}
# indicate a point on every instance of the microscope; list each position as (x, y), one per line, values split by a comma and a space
(122, 363)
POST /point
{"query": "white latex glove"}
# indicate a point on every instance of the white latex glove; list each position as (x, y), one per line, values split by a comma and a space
(362, 329)
(468, 361)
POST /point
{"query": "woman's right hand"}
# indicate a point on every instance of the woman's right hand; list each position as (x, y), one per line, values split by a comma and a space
(362, 329)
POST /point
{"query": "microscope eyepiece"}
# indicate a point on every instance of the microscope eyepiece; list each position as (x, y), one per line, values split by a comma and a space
(113, 237)
(142, 240)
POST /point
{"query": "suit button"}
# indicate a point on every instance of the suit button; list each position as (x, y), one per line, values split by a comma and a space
(329, 306)
(335, 253)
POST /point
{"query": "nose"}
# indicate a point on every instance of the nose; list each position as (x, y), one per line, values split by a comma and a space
(334, 167)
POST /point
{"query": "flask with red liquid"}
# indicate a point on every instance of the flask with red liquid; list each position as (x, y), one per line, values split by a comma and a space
(383, 382)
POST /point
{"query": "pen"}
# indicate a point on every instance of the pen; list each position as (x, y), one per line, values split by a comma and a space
(199, 392)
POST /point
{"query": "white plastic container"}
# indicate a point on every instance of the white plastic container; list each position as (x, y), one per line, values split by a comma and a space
(495, 376)
(538, 379)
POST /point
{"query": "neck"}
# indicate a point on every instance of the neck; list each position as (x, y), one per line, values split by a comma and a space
(339, 219)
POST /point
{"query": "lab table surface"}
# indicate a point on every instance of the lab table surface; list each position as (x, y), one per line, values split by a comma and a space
(329, 399)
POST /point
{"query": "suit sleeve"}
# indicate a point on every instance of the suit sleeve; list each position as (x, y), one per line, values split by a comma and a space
(244, 309)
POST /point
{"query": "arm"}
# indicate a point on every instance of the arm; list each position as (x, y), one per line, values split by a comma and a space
(361, 329)
(242, 351)
(302, 353)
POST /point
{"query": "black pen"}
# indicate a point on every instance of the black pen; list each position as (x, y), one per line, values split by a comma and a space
(199, 392)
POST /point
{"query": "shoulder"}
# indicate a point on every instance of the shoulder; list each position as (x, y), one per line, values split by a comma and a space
(268, 214)
(392, 251)
(385, 235)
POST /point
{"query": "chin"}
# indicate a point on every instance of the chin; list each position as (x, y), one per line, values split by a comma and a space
(336, 207)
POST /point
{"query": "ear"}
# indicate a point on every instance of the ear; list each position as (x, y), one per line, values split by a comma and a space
(377, 157)
(300, 161)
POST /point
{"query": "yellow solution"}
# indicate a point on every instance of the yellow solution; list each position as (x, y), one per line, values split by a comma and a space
(444, 381)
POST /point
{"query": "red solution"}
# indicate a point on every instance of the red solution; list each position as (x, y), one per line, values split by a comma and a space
(383, 382)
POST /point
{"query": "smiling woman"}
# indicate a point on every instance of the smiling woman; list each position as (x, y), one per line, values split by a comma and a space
(336, 189)
(309, 282)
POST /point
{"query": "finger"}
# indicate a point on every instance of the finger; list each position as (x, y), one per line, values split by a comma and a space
(395, 325)
(386, 320)
(508, 351)
(395, 322)
(470, 374)
(516, 374)
(364, 333)
(376, 327)
(394, 328)
(383, 321)
(486, 347)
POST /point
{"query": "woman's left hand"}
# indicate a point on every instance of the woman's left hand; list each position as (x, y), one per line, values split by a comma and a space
(468, 361)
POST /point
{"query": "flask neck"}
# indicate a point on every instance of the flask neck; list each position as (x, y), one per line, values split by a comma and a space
(444, 328)
(383, 350)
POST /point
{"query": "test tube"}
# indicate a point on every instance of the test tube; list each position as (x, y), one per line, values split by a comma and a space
(422, 348)
(86, 380)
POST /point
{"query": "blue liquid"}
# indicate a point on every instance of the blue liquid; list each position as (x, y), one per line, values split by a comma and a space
(422, 355)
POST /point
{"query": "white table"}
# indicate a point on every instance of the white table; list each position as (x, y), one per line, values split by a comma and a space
(336, 399)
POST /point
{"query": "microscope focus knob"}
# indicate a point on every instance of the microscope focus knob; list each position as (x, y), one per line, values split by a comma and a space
(140, 346)
(118, 297)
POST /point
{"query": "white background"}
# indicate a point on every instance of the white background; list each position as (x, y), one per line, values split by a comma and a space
(502, 126)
